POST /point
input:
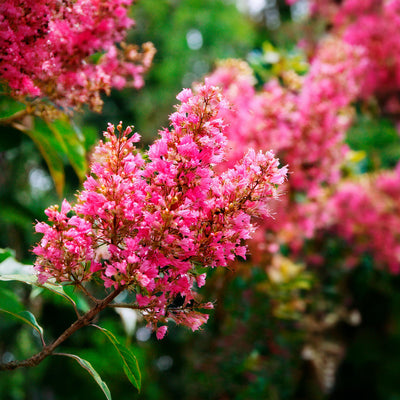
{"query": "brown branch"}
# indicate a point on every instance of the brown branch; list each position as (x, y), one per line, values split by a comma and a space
(84, 320)
(86, 292)
(126, 305)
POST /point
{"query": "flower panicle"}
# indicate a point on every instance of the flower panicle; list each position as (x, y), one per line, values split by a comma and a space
(147, 222)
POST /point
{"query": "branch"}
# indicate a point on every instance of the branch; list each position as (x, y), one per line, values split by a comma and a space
(86, 292)
(79, 323)
(127, 305)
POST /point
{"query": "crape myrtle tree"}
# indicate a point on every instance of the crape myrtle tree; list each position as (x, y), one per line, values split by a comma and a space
(47, 45)
(147, 223)
(338, 221)
(329, 110)
(151, 224)
(152, 227)
(57, 57)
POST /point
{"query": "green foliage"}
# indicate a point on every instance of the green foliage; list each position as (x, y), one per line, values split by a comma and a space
(9, 107)
(12, 270)
(86, 365)
(10, 304)
(378, 138)
(72, 142)
(56, 140)
(251, 347)
(32, 147)
(225, 34)
(50, 148)
(273, 62)
(129, 361)
(6, 253)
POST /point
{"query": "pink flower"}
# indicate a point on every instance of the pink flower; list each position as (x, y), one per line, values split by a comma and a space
(201, 280)
(366, 214)
(161, 331)
(47, 47)
(147, 225)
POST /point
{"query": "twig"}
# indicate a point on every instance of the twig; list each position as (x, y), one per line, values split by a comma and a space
(126, 305)
(86, 292)
(79, 323)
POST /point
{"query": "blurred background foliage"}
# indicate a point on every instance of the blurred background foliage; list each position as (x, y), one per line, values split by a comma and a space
(254, 345)
(189, 37)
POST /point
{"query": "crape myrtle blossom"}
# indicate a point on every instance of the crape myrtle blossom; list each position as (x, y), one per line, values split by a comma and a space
(305, 123)
(324, 113)
(151, 223)
(49, 50)
(366, 213)
(373, 25)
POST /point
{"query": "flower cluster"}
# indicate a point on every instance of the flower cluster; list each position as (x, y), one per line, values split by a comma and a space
(324, 113)
(152, 223)
(49, 49)
(305, 123)
(366, 213)
(376, 29)
(374, 26)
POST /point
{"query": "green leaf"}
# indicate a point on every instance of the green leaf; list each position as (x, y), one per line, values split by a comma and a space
(378, 138)
(32, 280)
(12, 270)
(6, 253)
(129, 361)
(25, 278)
(58, 141)
(10, 301)
(49, 147)
(77, 297)
(86, 365)
(30, 319)
(57, 289)
(9, 106)
(73, 144)
(10, 304)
